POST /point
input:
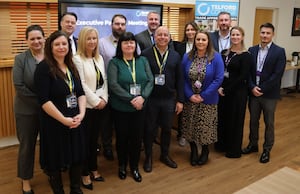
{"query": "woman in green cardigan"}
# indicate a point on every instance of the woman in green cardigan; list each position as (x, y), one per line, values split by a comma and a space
(130, 83)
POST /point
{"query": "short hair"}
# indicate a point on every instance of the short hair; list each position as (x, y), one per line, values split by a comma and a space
(126, 36)
(267, 25)
(84, 32)
(68, 13)
(120, 16)
(153, 12)
(32, 28)
(224, 13)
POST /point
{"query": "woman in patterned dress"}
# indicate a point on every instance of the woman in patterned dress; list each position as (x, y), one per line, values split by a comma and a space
(203, 75)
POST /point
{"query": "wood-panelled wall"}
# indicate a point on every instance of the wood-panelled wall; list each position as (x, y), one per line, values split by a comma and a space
(7, 92)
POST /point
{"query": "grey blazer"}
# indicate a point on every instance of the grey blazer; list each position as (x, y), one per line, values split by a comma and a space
(144, 40)
(26, 101)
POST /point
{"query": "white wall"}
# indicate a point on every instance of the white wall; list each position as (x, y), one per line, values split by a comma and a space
(283, 25)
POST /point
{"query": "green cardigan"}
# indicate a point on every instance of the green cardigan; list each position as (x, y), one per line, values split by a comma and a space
(119, 80)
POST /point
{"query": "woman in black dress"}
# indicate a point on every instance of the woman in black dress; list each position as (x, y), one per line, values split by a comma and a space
(233, 94)
(63, 108)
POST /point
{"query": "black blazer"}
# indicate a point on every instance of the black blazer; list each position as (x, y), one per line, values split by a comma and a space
(273, 69)
(180, 47)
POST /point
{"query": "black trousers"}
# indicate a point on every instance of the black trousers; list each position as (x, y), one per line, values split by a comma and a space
(96, 121)
(160, 113)
(129, 128)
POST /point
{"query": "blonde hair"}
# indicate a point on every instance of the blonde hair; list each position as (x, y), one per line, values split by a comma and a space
(82, 38)
(241, 30)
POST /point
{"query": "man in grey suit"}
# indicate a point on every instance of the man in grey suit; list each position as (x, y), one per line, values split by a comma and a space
(265, 81)
(146, 37)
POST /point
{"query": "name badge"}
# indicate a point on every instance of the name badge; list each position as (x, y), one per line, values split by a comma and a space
(226, 74)
(159, 79)
(198, 84)
(71, 101)
(135, 89)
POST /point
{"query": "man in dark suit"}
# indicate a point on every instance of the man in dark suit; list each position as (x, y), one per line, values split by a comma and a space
(68, 25)
(265, 81)
(221, 37)
(167, 96)
(145, 38)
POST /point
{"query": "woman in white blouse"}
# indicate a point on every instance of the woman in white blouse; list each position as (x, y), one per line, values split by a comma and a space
(91, 69)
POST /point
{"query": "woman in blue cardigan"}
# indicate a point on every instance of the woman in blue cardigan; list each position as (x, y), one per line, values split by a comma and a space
(203, 74)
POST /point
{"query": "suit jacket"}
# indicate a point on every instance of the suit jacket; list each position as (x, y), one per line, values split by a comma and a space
(87, 73)
(180, 47)
(144, 40)
(26, 100)
(215, 40)
(213, 79)
(273, 69)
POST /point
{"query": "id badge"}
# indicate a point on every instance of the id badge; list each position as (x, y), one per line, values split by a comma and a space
(71, 101)
(135, 89)
(160, 79)
(226, 74)
(198, 84)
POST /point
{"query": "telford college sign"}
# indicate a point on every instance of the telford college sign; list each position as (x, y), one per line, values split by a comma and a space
(206, 12)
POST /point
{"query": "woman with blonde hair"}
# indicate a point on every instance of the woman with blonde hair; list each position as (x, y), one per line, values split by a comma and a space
(91, 69)
(234, 94)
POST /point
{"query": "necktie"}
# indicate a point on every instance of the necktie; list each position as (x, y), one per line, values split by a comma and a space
(152, 38)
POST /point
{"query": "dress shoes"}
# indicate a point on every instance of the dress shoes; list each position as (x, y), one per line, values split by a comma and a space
(87, 186)
(168, 161)
(98, 179)
(122, 173)
(148, 164)
(136, 176)
(265, 157)
(250, 149)
(28, 192)
(108, 154)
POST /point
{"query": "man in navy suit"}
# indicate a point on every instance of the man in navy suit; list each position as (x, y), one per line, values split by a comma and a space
(221, 37)
(265, 81)
(68, 25)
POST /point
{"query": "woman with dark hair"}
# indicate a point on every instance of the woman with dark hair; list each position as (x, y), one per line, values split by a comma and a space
(63, 102)
(26, 106)
(183, 47)
(130, 83)
(203, 75)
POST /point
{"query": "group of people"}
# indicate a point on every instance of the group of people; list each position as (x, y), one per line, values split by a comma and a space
(73, 90)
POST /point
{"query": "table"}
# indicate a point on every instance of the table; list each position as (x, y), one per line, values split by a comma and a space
(290, 67)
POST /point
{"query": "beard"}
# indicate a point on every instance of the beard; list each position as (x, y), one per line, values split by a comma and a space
(117, 34)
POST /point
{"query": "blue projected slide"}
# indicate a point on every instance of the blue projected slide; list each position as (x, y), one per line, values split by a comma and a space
(99, 16)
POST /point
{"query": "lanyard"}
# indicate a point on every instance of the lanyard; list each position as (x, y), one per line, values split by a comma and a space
(99, 77)
(227, 59)
(262, 54)
(69, 80)
(132, 71)
(161, 66)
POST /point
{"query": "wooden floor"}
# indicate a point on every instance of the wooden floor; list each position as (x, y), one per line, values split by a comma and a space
(220, 175)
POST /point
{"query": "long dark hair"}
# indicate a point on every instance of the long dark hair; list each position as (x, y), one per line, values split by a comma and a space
(195, 27)
(125, 37)
(51, 61)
